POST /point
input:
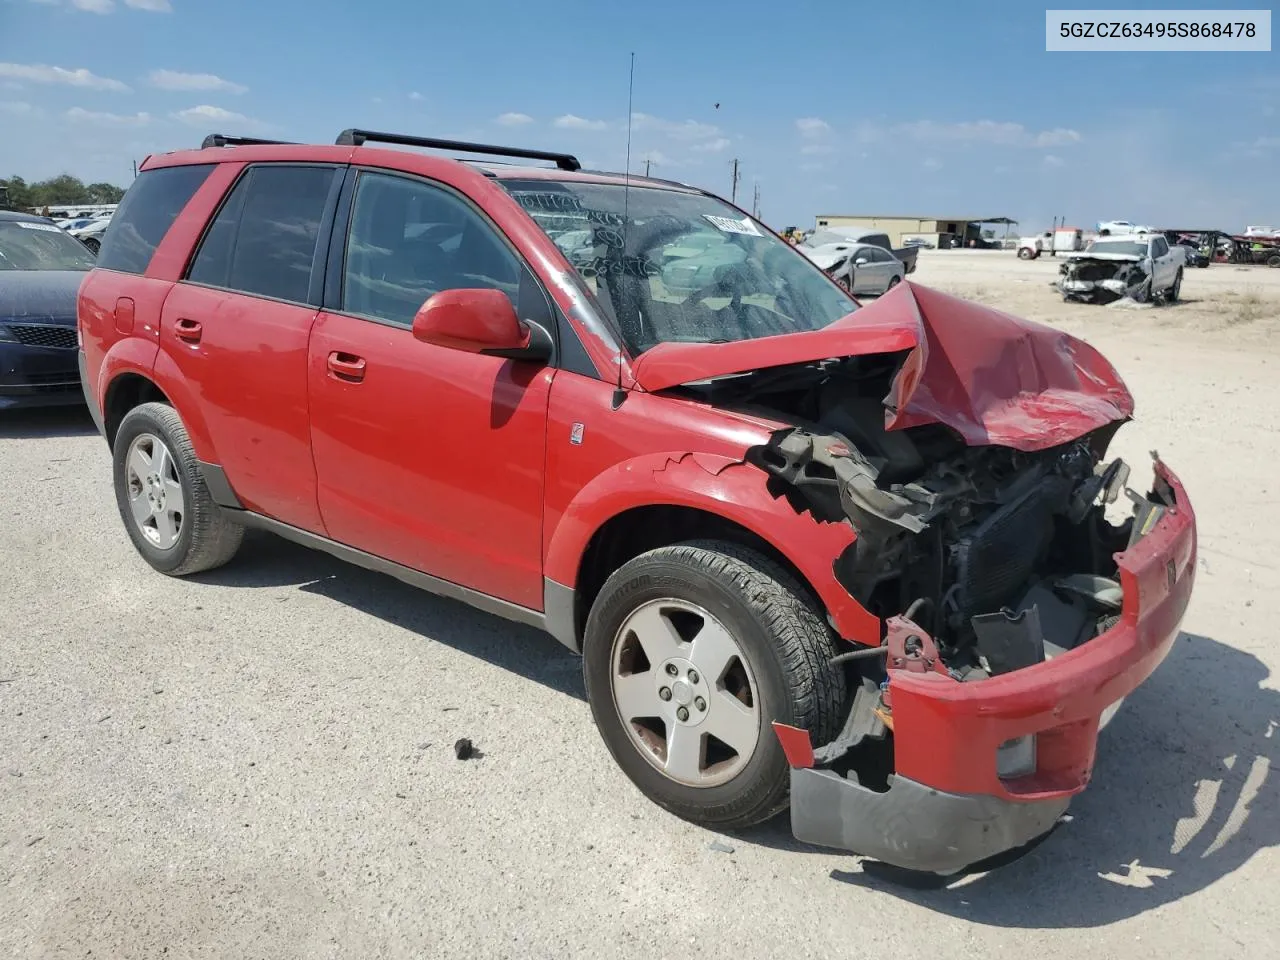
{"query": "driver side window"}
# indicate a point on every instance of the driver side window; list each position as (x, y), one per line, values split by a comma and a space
(408, 240)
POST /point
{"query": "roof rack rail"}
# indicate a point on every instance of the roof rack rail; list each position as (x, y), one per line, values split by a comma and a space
(356, 138)
(222, 140)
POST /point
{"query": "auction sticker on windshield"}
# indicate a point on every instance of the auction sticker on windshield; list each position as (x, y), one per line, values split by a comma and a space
(729, 225)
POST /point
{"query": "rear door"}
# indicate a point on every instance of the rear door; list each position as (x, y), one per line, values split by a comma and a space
(430, 457)
(237, 328)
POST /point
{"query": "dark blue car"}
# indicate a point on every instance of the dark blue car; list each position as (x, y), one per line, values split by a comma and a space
(41, 267)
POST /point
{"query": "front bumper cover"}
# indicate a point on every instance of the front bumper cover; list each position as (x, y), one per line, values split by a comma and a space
(946, 807)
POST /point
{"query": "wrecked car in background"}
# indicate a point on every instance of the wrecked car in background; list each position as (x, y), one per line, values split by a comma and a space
(855, 559)
(1141, 267)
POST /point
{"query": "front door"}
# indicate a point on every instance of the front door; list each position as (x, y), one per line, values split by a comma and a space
(428, 456)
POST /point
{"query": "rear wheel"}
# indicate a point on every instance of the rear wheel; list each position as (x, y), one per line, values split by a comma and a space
(691, 652)
(94, 244)
(1176, 290)
(163, 501)
(1026, 253)
(893, 282)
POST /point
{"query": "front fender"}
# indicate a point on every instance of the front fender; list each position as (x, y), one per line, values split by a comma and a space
(727, 488)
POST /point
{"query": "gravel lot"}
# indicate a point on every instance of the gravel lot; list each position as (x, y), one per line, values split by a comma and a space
(259, 762)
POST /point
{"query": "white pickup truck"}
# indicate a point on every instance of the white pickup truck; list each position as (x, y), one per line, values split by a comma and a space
(1139, 266)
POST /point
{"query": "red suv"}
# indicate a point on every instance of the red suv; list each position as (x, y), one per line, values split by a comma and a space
(850, 557)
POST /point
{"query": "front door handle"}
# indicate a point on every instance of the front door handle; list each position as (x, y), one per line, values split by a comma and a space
(188, 330)
(346, 366)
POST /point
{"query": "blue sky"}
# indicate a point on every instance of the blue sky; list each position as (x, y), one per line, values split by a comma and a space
(921, 108)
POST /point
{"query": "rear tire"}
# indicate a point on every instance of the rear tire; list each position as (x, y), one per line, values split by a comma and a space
(1026, 253)
(94, 245)
(893, 282)
(1174, 291)
(642, 637)
(164, 503)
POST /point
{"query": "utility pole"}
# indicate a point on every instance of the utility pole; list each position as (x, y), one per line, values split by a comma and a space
(647, 161)
(135, 169)
(755, 201)
(733, 192)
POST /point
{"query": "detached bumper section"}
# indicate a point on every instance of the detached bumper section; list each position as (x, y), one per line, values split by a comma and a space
(947, 807)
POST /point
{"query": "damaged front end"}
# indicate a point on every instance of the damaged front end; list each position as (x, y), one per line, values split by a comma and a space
(1014, 623)
(967, 450)
(1104, 280)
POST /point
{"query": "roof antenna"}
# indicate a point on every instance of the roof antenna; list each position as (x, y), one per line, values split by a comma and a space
(618, 393)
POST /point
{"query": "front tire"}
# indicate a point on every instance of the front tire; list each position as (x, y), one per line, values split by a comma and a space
(94, 245)
(691, 652)
(164, 503)
(1026, 253)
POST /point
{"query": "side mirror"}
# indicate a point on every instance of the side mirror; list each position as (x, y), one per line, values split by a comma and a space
(860, 261)
(479, 321)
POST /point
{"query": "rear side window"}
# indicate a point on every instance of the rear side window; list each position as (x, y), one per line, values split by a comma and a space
(263, 240)
(146, 213)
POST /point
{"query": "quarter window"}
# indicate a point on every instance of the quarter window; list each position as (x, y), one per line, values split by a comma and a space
(263, 240)
(409, 240)
(146, 213)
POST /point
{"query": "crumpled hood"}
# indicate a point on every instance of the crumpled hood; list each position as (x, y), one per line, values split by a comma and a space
(992, 377)
(827, 255)
(40, 296)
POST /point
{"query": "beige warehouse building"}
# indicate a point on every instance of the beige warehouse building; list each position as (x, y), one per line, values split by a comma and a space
(935, 230)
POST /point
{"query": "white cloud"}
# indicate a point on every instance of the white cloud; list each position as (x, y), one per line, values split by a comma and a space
(812, 166)
(155, 6)
(43, 73)
(995, 133)
(94, 6)
(177, 80)
(205, 114)
(415, 95)
(377, 99)
(16, 107)
(686, 130)
(813, 127)
(571, 122)
(712, 146)
(513, 119)
(98, 118)
(1051, 161)
(932, 163)
(814, 149)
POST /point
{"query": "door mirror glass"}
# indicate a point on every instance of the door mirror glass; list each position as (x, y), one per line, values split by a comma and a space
(860, 261)
(475, 321)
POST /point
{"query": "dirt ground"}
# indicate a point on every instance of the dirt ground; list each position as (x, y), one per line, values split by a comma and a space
(258, 762)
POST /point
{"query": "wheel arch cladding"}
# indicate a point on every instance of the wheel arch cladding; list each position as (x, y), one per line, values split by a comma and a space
(707, 492)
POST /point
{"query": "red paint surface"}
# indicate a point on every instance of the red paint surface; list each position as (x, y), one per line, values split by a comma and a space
(243, 363)
(434, 459)
(992, 377)
(795, 744)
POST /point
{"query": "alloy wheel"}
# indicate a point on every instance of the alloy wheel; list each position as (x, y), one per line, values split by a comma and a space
(155, 492)
(685, 692)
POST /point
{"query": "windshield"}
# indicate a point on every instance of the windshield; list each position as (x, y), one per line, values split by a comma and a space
(30, 245)
(666, 266)
(1127, 247)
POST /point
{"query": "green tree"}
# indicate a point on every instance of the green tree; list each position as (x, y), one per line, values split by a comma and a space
(63, 188)
(19, 193)
(105, 193)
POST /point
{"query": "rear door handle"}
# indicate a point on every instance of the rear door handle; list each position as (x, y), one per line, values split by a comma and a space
(346, 366)
(188, 330)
